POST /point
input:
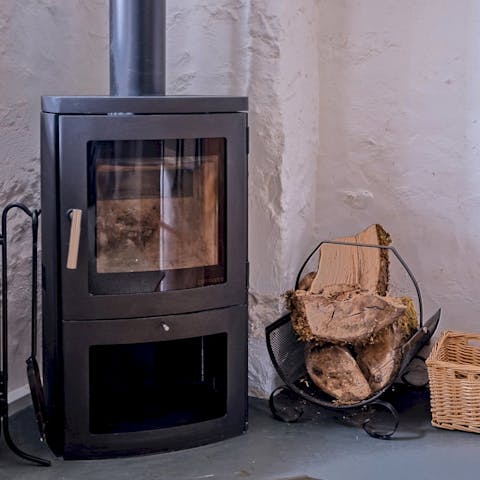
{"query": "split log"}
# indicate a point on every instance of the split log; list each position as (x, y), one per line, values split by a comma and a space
(350, 316)
(362, 267)
(335, 371)
(380, 359)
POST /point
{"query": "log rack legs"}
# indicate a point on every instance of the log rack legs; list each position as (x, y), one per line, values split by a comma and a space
(292, 411)
(379, 418)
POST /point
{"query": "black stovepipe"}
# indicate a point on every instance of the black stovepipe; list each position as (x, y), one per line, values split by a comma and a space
(4, 416)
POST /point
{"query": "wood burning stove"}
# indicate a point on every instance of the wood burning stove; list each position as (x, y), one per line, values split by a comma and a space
(144, 235)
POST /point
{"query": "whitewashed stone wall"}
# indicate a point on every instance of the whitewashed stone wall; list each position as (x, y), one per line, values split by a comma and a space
(284, 97)
(400, 138)
(46, 47)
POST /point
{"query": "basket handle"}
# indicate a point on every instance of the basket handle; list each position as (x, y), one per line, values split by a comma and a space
(369, 245)
(474, 342)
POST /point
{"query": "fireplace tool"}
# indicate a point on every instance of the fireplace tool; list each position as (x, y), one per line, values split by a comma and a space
(287, 354)
(33, 372)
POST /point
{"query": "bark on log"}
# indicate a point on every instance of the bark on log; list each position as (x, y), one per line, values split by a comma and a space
(335, 371)
(362, 267)
(380, 359)
(350, 316)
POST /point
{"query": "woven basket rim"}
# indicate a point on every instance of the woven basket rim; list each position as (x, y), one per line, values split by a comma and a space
(457, 333)
(454, 365)
(433, 359)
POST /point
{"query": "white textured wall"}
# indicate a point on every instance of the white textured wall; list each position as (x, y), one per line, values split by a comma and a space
(284, 123)
(400, 137)
(46, 47)
(207, 47)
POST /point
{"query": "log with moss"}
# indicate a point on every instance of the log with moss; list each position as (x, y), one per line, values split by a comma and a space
(374, 365)
(343, 316)
(380, 358)
(334, 370)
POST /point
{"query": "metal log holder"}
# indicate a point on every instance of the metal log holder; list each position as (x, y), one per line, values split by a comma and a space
(287, 353)
(4, 415)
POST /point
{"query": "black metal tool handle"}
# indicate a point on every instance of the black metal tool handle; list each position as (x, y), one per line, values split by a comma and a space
(4, 416)
(33, 370)
(35, 215)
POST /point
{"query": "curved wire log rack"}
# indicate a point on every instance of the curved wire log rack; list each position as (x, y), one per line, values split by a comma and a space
(287, 353)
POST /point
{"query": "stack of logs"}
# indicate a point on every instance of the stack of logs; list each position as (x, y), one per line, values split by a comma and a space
(353, 328)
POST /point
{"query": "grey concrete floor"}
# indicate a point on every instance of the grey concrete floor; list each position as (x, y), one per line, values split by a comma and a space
(317, 447)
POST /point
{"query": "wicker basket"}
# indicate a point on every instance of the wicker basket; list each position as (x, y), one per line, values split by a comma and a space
(454, 374)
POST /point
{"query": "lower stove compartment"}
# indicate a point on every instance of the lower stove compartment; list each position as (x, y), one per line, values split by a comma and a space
(146, 385)
(163, 384)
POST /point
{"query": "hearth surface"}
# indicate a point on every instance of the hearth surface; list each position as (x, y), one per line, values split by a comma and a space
(317, 448)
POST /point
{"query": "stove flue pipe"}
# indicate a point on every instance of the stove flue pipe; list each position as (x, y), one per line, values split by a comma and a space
(137, 47)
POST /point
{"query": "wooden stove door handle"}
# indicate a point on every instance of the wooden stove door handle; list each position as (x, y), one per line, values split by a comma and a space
(75, 216)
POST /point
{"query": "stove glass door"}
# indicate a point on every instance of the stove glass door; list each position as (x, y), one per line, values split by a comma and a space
(156, 213)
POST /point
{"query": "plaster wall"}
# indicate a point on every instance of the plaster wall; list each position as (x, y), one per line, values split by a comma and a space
(46, 47)
(400, 137)
(284, 96)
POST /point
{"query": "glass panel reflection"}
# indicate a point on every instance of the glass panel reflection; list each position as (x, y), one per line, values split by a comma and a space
(157, 206)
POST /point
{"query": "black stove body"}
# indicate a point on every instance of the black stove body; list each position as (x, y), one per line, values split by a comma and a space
(144, 266)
